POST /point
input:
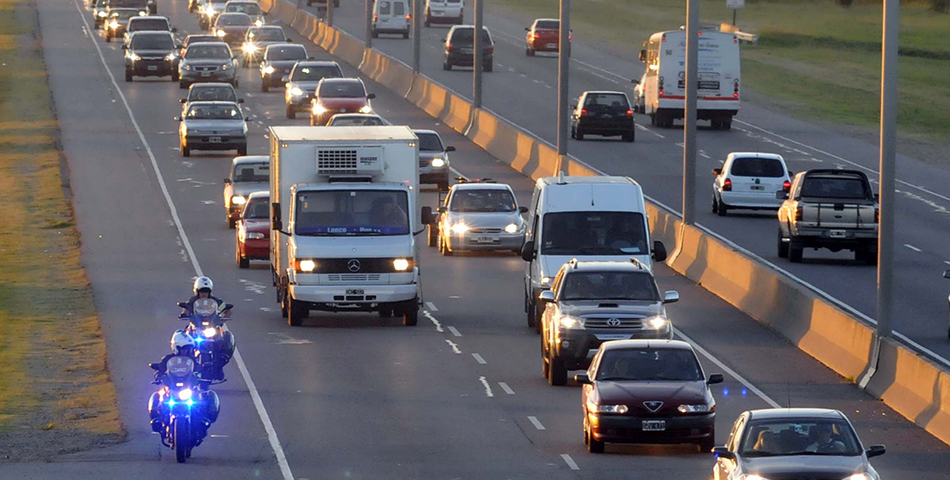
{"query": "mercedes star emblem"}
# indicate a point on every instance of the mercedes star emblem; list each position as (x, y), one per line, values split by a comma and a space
(353, 265)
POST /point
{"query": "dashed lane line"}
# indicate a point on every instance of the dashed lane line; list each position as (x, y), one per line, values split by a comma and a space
(478, 358)
(504, 386)
(537, 423)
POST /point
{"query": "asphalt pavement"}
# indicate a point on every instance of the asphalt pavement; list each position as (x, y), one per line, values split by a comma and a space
(352, 395)
(524, 90)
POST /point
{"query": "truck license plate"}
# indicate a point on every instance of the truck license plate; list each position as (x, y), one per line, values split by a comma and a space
(214, 139)
(837, 234)
(355, 291)
(653, 425)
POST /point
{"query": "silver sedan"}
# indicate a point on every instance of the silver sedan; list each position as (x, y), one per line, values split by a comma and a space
(480, 216)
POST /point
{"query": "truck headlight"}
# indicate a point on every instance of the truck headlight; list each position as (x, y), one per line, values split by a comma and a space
(306, 265)
(225, 66)
(438, 162)
(238, 200)
(401, 264)
(269, 69)
(296, 91)
(366, 109)
(568, 322)
(657, 323)
(459, 228)
(511, 228)
(620, 409)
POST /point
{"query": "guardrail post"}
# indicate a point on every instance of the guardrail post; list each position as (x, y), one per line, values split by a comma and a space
(563, 74)
(368, 41)
(479, 45)
(689, 115)
(888, 154)
(416, 33)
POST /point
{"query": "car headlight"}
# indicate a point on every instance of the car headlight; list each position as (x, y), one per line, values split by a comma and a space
(184, 394)
(306, 265)
(545, 281)
(221, 33)
(319, 109)
(459, 228)
(114, 24)
(366, 109)
(225, 66)
(693, 408)
(143, 14)
(859, 476)
(753, 477)
(249, 48)
(209, 11)
(255, 236)
(438, 162)
(134, 57)
(238, 200)
(258, 22)
(171, 57)
(102, 13)
(268, 69)
(657, 323)
(511, 228)
(401, 264)
(296, 91)
(612, 409)
(568, 322)
(185, 66)
(208, 333)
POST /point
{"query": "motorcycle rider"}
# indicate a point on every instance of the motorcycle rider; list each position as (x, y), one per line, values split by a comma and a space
(224, 349)
(182, 344)
(202, 287)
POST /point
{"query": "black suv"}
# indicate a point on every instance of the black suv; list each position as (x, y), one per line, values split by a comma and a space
(603, 113)
(460, 48)
(151, 54)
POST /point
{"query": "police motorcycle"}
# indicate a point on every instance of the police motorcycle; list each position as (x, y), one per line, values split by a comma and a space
(214, 345)
(179, 411)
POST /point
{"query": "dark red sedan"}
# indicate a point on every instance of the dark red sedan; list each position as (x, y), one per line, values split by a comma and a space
(253, 230)
(339, 95)
(543, 36)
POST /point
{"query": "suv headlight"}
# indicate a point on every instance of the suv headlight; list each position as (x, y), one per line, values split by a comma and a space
(185, 66)
(269, 69)
(102, 13)
(859, 476)
(221, 33)
(619, 409)
(114, 24)
(459, 228)
(296, 91)
(568, 322)
(319, 109)
(656, 323)
(225, 66)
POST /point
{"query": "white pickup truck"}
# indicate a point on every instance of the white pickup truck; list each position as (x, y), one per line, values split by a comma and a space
(833, 209)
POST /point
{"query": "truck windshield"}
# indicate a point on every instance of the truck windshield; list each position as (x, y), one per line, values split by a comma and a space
(341, 213)
(594, 233)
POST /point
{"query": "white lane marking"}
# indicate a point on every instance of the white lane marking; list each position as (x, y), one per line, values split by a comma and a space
(218, 436)
(438, 326)
(911, 247)
(255, 396)
(947, 262)
(431, 307)
(487, 387)
(455, 347)
(504, 386)
(732, 373)
(570, 461)
(645, 129)
(537, 423)
(454, 331)
(479, 359)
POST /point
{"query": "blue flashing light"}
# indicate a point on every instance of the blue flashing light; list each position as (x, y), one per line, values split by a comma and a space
(725, 392)
(171, 402)
(745, 392)
(199, 339)
(190, 402)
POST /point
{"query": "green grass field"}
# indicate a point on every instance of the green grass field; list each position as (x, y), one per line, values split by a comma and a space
(816, 58)
(55, 392)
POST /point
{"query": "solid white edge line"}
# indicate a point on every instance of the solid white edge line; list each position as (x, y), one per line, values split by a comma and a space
(255, 396)
(454, 331)
(537, 423)
(478, 358)
(570, 461)
(504, 386)
(732, 373)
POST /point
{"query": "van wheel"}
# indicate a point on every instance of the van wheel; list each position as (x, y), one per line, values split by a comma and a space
(411, 318)
(715, 205)
(782, 246)
(291, 113)
(795, 251)
(531, 314)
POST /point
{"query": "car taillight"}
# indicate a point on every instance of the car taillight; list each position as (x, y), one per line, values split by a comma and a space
(877, 215)
(786, 186)
(408, 17)
(375, 17)
(629, 113)
(798, 213)
(583, 112)
(448, 47)
(736, 89)
(727, 185)
(490, 50)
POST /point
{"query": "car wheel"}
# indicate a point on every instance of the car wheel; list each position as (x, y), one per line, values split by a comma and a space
(433, 235)
(557, 372)
(128, 76)
(108, 38)
(411, 318)
(231, 222)
(296, 311)
(782, 246)
(444, 248)
(579, 134)
(723, 209)
(426, 22)
(291, 113)
(795, 251)
(545, 366)
(530, 313)
(242, 262)
(594, 446)
(573, 132)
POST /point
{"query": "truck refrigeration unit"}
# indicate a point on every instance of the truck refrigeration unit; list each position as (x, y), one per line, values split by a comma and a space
(343, 220)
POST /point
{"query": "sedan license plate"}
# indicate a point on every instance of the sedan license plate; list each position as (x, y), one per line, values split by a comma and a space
(153, 68)
(837, 234)
(551, 45)
(653, 425)
(214, 139)
(485, 239)
(205, 74)
(355, 291)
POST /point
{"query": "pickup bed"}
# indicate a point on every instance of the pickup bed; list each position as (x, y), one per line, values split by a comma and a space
(833, 209)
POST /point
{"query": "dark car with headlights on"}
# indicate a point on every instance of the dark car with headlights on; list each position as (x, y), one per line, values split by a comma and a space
(100, 11)
(257, 40)
(794, 443)
(212, 126)
(197, 38)
(302, 82)
(151, 54)
(591, 302)
(248, 174)
(460, 48)
(118, 21)
(253, 230)
(339, 95)
(208, 11)
(250, 7)
(279, 60)
(434, 166)
(207, 62)
(647, 391)
(603, 113)
(231, 28)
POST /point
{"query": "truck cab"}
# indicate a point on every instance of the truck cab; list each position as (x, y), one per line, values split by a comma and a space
(344, 220)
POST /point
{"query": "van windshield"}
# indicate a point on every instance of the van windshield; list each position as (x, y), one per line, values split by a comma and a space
(594, 233)
(342, 213)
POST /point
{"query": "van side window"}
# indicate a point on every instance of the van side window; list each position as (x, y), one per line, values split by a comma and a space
(532, 214)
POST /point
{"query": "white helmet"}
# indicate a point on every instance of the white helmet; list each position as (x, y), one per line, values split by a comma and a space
(181, 340)
(202, 283)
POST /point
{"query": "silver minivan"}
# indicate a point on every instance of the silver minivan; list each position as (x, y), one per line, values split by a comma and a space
(391, 16)
(450, 12)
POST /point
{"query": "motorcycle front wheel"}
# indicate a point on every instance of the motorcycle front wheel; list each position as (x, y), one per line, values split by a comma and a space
(181, 430)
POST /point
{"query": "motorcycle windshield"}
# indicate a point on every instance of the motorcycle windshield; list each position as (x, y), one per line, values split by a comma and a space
(180, 366)
(205, 307)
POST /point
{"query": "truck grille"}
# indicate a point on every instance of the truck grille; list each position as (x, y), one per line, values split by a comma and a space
(353, 277)
(612, 323)
(336, 161)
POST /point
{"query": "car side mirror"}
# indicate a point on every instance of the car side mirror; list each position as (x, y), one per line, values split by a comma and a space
(527, 252)
(717, 171)
(643, 56)
(174, 30)
(247, 119)
(635, 81)
(450, 149)
(227, 181)
(182, 100)
(791, 174)
(371, 96)
(946, 274)
(781, 195)
(427, 216)
(659, 251)
(440, 209)
(522, 209)
(671, 296)
(311, 58)
(723, 452)
(285, 79)
(240, 100)
(714, 379)
(275, 222)
(527, 29)
(876, 451)
(583, 379)
(546, 296)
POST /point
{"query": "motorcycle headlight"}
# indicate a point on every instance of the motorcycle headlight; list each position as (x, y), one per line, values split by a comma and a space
(255, 236)
(366, 109)
(657, 323)
(511, 228)
(568, 322)
(296, 91)
(185, 394)
(319, 109)
(134, 57)
(238, 200)
(859, 476)
(269, 69)
(438, 162)
(459, 228)
(401, 264)
(620, 409)
(209, 332)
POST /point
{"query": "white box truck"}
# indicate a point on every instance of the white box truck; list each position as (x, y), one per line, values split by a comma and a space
(664, 88)
(344, 220)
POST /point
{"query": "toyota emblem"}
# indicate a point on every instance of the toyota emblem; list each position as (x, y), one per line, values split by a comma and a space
(343, 110)
(653, 406)
(613, 322)
(353, 265)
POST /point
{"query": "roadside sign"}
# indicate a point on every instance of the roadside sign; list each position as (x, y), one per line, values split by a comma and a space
(735, 4)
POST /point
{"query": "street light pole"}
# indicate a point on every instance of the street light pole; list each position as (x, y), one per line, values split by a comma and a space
(563, 70)
(479, 45)
(888, 154)
(329, 13)
(689, 116)
(416, 34)
(369, 24)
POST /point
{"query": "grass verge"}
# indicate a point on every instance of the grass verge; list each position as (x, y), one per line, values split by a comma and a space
(820, 59)
(55, 393)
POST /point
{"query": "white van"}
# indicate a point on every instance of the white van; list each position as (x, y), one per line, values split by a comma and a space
(665, 79)
(391, 16)
(587, 218)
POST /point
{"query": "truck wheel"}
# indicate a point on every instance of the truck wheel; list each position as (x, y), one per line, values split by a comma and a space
(727, 124)
(296, 311)
(411, 318)
(795, 250)
(557, 372)
(782, 246)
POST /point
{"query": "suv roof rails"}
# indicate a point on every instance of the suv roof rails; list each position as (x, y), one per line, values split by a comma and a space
(474, 180)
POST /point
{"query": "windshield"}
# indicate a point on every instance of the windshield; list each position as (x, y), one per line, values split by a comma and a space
(609, 286)
(467, 35)
(208, 51)
(315, 73)
(486, 200)
(129, 3)
(826, 187)
(152, 42)
(200, 92)
(200, 38)
(352, 213)
(258, 208)
(251, 172)
(358, 121)
(214, 112)
(286, 53)
(649, 364)
(342, 89)
(248, 8)
(594, 233)
(124, 14)
(430, 142)
(768, 438)
(547, 25)
(757, 167)
(267, 35)
(233, 19)
(149, 24)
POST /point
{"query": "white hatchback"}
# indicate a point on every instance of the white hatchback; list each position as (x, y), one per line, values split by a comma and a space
(749, 181)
